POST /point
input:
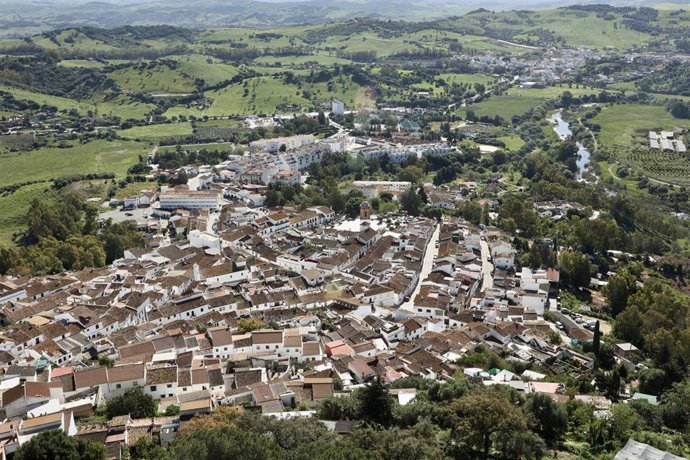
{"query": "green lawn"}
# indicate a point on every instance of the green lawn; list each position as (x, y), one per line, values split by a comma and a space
(512, 142)
(157, 132)
(99, 156)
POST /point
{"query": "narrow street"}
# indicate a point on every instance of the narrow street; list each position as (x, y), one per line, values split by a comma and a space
(430, 254)
(487, 267)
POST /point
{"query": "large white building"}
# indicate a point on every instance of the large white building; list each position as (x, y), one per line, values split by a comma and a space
(290, 143)
(374, 188)
(191, 200)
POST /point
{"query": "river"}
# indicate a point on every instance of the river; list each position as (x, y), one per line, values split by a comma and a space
(562, 128)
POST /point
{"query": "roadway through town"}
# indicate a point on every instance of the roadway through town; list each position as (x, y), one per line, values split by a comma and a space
(430, 254)
(487, 267)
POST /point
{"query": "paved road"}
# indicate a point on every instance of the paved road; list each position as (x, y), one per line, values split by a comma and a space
(430, 254)
(487, 267)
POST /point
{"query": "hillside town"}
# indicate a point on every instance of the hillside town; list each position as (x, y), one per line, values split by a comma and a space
(277, 309)
(305, 232)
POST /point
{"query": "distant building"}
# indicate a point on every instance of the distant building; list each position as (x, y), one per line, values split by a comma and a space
(666, 141)
(634, 450)
(287, 177)
(374, 188)
(291, 143)
(408, 125)
(365, 210)
(191, 200)
(338, 108)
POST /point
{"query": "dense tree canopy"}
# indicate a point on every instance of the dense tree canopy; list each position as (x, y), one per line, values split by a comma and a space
(55, 444)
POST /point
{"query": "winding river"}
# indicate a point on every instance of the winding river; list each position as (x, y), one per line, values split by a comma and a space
(562, 128)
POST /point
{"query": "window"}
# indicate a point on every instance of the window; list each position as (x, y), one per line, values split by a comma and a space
(169, 385)
(153, 387)
(118, 386)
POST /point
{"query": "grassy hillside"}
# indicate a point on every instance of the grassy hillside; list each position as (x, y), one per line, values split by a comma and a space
(99, 156)
(153, 78)
(13, 208)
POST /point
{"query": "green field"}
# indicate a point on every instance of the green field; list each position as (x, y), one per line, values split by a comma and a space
(272, 95)
(155, 79)
(466, 78)
(157, 132)
(211, 146)
(120, 107)
(624, 124)
(13, 208)
(211, 70)
(624, 129)
(85, 63)
(512, 142)
(99, 156)
(517, 101)
(134, 189)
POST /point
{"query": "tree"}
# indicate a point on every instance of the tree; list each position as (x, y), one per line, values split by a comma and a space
(287, 434)
(222, 417)
(338, 408)
(272, 198)
(628, 326)
(376, 403)
(224, 444)
(478, 417)
(336, 200)
(134, 402)
(172, 409)
(675, 406)
(411, 174)
(577, 268)
(339, 449)
(411, 202)
(147, 449)
(119, 237)
(620, 287)
(609, 383)
(596, 341)
(55, 444)
(550, 418)
(249, 324)
(10, 259)
(352, 207)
